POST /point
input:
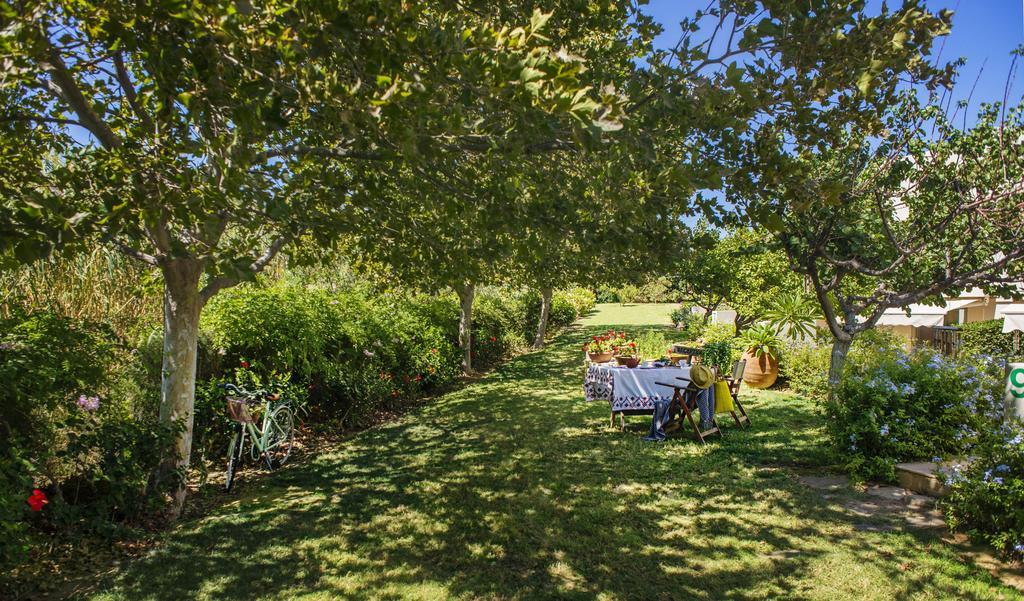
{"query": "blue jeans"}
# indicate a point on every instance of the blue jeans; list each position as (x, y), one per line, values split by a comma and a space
(657, 433)
(706, 407)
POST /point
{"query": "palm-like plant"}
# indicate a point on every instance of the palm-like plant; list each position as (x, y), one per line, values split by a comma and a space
(761, 339)
(795, 314)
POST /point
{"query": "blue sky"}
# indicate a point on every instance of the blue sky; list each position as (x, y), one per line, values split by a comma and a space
(984, 32)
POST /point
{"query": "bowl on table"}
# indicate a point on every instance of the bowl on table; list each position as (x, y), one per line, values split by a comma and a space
(630, 362)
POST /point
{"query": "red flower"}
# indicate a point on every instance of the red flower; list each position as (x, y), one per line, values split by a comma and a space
(493, 338)
(37, 499)
(418, 378)
(245, 363)
(633, 344)
(433, 350)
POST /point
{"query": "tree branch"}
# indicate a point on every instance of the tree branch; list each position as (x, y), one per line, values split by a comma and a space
(129, 92)
(331, 153)
(38, 119)
(136, 254)
(217, 284)
(72, 94)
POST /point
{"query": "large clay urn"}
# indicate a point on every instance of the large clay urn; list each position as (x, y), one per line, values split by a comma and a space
(761, 372)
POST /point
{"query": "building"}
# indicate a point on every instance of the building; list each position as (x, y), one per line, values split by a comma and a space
(927, 324)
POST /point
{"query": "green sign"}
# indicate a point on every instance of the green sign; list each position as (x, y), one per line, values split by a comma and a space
(1015, 385)
(1015, 390)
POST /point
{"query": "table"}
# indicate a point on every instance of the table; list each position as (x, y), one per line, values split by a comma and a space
(630, 391)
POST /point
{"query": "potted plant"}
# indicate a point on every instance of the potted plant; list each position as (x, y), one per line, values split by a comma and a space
(599, 348)
(625, 350)
(762, 344)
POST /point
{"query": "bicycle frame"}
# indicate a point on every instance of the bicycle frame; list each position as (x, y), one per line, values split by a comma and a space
(260, 437)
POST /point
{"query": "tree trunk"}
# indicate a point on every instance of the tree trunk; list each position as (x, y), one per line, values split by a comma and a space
(840, 348)
(545, 313)
(178, 386)
(466, 293)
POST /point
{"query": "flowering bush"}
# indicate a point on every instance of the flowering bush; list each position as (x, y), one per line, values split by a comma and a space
(894, 407)
(988, 496)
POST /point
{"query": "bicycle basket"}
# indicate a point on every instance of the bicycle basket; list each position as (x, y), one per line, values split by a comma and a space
(238, 410)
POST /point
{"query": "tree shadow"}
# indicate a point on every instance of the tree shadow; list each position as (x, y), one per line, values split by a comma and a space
(514, 487)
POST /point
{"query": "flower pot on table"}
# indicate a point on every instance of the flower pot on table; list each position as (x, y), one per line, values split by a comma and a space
(599, 357)
(628, 361)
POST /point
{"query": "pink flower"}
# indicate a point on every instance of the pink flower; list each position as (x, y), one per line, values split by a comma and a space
(88, 403)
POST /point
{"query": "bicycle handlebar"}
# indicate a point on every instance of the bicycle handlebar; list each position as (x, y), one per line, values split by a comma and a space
(261, 393)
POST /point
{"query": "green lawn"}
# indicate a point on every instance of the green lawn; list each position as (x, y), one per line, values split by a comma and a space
(514, 488)
(630, 314)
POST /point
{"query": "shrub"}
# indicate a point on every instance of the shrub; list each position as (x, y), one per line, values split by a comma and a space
(985, 339)
(720, 354)
(653, 344)
(721, 337)
(804, 365)
(16, 483)
(894, 407)
(357, 353)
(988, 495)
(657, 290)
(717, 332)
(606, 294)
(70, 430)
(354, 353)
(46, 361)
(804, 368)
(581, 299)
(628, 293)
(563, 313)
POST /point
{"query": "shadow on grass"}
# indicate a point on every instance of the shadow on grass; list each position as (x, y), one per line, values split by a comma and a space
(514, 487)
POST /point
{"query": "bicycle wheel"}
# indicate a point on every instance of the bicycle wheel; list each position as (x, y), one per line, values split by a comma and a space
(234, 457)
(280, 437)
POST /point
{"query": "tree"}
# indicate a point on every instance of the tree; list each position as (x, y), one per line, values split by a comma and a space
(901, 214)
(483, 219)
(737, 267)
(760, 275)
(703, 273)
(202, 140)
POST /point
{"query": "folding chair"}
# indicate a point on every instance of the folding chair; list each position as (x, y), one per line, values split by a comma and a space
(684, 402)
(734, 389)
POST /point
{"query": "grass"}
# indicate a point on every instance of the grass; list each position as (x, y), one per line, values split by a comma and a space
(515, 488)
(630, 314)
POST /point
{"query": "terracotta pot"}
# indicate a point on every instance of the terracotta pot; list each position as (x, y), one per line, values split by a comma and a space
(600, 357)
(628, 361)
(761, 372)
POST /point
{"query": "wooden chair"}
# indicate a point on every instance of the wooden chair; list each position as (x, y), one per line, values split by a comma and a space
(684, 402)
(734, 389)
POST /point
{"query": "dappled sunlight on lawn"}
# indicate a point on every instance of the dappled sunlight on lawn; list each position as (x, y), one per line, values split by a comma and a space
(514, 487)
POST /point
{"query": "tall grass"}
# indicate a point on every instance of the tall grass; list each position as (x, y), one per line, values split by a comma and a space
(100, 285)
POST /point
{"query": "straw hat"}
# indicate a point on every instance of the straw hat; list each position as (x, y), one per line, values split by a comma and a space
(701, 376)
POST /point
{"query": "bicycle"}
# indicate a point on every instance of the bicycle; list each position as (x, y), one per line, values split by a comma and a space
(274, 438)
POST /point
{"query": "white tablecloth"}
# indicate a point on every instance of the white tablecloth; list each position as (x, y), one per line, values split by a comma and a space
(630, 389)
